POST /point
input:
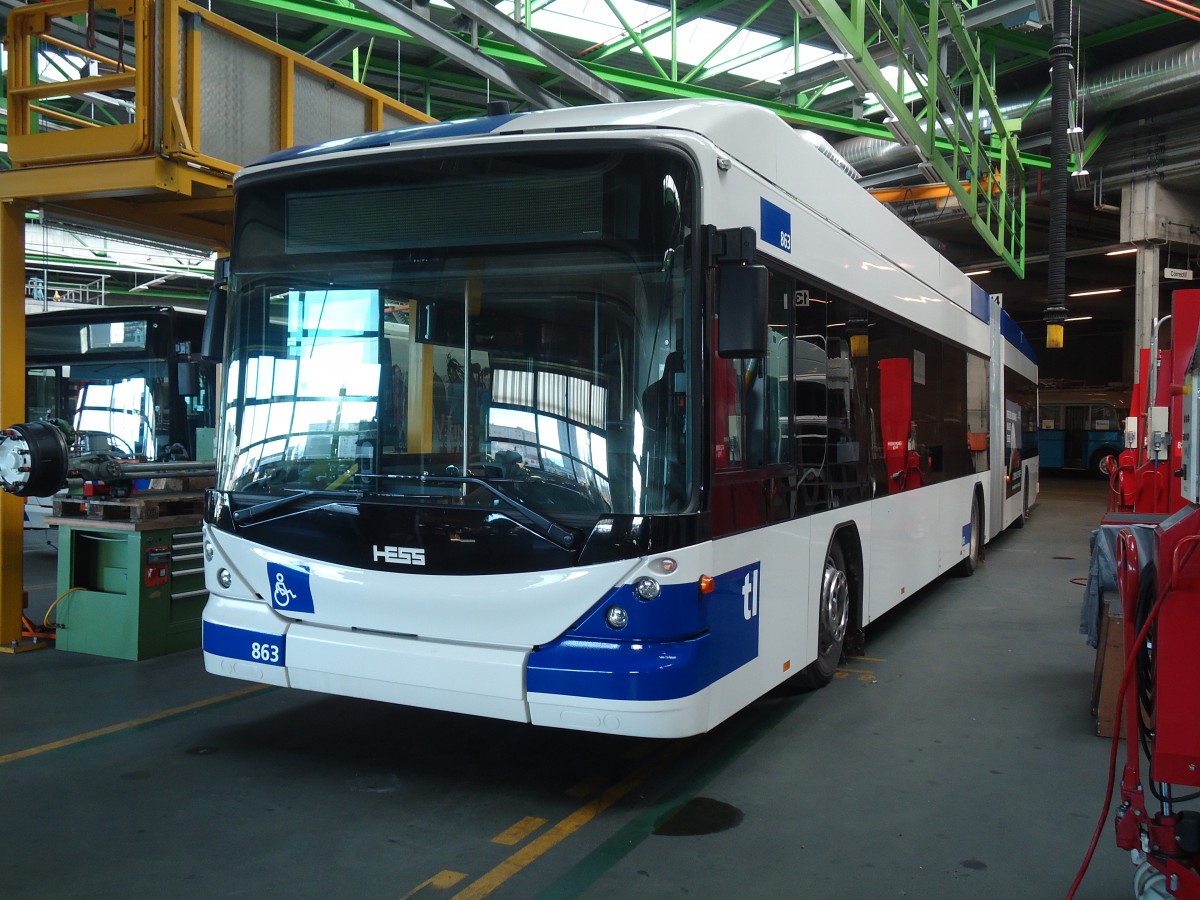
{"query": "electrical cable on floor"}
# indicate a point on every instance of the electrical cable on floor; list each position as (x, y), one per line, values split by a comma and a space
(1130, 660)
(46, 617)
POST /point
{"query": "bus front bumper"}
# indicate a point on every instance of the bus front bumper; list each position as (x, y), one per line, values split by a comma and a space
(249, 641)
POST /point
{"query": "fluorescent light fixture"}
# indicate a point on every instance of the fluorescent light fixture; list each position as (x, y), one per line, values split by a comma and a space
(978, 272)
(1127, 250)
(1078, 319)
(1075, 139)
(1081, 180)
(1096, 293)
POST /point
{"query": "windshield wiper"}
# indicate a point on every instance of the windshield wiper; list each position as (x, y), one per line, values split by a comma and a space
(247, 515)
(562, 536)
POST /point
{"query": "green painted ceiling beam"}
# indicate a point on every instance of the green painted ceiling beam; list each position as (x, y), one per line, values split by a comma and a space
(1097, 137)
(657, 27)
(745, 59)
(1141, 26)
(699, 72)
(637, 39)
(948, 141)
(325, 12)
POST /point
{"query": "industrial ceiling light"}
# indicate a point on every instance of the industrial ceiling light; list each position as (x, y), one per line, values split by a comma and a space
(1099, 292)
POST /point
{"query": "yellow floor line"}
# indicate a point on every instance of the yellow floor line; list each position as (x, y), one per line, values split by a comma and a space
(490, 881)
(132, 723)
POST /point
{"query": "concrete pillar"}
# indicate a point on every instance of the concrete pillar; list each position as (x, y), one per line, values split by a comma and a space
(1154, 217)
(1145, 309)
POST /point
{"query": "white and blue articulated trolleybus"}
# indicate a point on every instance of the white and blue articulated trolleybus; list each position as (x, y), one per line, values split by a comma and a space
(610, 418)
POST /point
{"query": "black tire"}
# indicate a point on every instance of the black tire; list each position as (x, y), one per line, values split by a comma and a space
(970, 563)
(833, 618)
(1096, 464)
(1019, 522)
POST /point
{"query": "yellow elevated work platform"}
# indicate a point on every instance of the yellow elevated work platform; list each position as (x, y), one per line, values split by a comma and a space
(144, 136)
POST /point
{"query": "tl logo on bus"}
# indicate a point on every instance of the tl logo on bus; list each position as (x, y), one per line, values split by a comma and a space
(734, 617)
(750, 594)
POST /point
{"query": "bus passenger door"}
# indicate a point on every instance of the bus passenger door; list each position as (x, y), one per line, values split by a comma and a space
(1074, 437)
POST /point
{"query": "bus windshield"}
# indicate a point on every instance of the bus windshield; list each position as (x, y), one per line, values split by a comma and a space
(467, 329)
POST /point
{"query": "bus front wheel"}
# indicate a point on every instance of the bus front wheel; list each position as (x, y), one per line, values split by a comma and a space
(833, 618)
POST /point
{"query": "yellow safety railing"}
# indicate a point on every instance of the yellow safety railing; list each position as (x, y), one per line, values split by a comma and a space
(40, 130)
(176, 81)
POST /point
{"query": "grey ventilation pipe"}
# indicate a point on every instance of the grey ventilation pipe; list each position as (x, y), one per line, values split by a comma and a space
(1153, 77)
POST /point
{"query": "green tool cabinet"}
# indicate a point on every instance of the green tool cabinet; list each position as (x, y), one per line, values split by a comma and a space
(130, 590)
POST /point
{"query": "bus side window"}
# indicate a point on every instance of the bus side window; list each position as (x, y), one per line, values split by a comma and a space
(728, 439)
(762, 378)
(663, 407)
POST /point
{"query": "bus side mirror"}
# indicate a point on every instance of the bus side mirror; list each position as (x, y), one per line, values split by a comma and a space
(212, 341)
(741, 311)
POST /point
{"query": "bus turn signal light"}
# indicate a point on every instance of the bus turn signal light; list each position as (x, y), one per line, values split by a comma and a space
(708, 584)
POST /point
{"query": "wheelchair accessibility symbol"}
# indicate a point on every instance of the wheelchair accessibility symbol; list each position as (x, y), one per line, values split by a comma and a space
(282, 596)
(289, 589)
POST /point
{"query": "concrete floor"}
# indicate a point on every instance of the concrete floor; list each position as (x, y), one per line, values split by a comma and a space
(957, 760)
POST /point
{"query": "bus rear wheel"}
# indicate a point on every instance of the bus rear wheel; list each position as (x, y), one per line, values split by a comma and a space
(1019, 521)
(971, 561)
(1099, 462)
(833, 618)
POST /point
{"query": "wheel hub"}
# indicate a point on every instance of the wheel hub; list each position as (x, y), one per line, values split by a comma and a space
(835, 605)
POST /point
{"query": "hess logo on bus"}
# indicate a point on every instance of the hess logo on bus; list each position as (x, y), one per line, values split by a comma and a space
(398, 556)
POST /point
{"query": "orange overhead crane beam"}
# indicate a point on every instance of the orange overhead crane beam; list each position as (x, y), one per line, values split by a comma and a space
(190, 99)
(990, 182)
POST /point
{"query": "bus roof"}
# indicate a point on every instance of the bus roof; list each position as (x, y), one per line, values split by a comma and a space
(754, 136)
(725, 122)
(1119, 397)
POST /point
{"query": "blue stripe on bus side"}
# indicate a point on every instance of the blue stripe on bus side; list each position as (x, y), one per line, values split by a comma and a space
(620, 670)
(1012, 333)
(981, 303)
(423, 131)
(620, 666)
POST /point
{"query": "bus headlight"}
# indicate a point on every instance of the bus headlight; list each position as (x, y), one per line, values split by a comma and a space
(224, 578)
(209, 550)
(646, 588)
(616, 617)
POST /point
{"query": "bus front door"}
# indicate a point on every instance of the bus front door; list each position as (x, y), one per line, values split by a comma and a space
(1075, 436)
